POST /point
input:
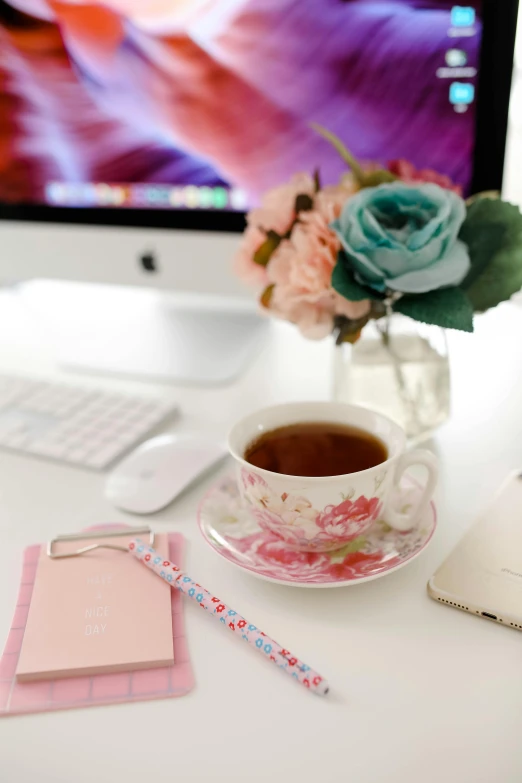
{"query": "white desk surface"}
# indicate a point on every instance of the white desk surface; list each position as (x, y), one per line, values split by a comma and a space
(420, 693)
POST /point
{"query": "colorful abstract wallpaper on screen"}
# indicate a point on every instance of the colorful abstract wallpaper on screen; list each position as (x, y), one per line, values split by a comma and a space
(221, 93)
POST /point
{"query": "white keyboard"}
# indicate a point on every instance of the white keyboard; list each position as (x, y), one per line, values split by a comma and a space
(74, 424)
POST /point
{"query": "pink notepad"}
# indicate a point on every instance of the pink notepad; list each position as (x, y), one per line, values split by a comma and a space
(96, 613)
(49, 695)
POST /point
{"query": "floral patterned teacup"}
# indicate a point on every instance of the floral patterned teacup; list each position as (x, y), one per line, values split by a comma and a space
(323, 513)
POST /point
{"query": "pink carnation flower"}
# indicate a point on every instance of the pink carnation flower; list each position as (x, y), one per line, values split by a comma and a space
(276, 213)
(331, 199)
(301, 271)
(407, 172)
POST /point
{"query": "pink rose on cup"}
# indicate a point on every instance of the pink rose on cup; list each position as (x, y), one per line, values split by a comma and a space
(251, 479)
(275, 558)
(349, 519)
(278, 560)
(290, 517)
(256, 489)
(273, 524)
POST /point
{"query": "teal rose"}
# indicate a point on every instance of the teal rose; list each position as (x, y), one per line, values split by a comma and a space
(404, 237)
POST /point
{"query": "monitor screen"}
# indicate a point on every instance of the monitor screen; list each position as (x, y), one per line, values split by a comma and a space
(205, 104)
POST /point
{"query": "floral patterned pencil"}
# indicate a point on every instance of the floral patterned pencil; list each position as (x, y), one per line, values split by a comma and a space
(232, 620)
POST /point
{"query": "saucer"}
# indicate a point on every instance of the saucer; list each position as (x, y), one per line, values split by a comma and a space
(230, 529)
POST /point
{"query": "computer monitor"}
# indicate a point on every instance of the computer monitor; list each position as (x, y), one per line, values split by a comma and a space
(134, 134)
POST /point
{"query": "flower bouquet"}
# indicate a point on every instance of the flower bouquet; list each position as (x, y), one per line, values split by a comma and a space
(379, 244)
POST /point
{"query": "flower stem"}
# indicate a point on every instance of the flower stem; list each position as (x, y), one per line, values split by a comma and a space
(402, 387)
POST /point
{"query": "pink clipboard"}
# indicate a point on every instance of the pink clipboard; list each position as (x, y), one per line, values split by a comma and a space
(89, 691)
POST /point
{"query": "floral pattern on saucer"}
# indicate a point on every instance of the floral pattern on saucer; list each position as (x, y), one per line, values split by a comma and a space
(294, 519)
(235, 532)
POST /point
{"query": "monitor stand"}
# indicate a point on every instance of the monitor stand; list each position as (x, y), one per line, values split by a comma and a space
(141, 332)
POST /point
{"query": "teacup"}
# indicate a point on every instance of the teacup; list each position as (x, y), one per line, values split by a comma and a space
(315, 514)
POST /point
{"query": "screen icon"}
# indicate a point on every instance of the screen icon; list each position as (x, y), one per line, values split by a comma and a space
(456, 58)
(56, 192)
(157, 196)
(461, 93)
(119, 195)
(138, 196)
(462, 16)
(206, 197)
(220, 198)
(239, 199)
(88, 194)
(103, 194)
(191, 195)
(177, 197)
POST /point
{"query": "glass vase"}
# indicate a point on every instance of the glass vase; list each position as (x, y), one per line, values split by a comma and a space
(399, 367)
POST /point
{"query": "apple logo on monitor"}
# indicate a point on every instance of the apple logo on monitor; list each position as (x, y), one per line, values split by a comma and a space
(148, 261)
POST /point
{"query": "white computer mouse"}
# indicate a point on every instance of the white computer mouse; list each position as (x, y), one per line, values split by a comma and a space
(160, 469)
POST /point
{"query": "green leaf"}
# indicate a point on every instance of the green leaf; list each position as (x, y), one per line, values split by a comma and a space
(493, 233)
(446, 307)
(344, 282)
(338, 555)
(266, 296)
(349, 336)
(349, 329)
(345, 153)
(366, 179)
(264, 251)
(303, 203)
(483, 232)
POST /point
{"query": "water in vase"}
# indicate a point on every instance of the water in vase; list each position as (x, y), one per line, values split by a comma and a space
(401, 371)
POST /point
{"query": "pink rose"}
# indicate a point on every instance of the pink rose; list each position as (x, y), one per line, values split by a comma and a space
(407, 172)
(329, 203)
(244, 265)
(349, 519)
(304, 263)
(278, 560)
(250, 479)
(301, 271)
(276, 213)
(358, 565)
(289, 516)
(277, 209)
(272, 523)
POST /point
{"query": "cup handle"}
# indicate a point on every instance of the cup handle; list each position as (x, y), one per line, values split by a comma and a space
(406, 521)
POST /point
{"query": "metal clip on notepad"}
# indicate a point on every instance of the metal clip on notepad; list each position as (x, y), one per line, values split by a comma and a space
(126, 532)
